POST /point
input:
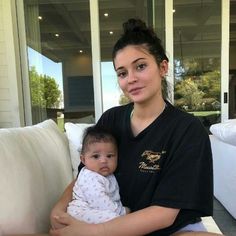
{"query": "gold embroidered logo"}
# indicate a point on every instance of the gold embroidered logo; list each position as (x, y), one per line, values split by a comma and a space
(151, 156)
(150, 161)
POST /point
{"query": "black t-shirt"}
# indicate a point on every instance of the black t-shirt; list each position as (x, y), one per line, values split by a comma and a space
(168, 164)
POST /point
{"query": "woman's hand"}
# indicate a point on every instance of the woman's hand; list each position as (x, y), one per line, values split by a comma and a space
(73, 227)
(60, 208)
(55, 214)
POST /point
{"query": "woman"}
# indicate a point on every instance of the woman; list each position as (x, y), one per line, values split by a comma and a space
(165, 164)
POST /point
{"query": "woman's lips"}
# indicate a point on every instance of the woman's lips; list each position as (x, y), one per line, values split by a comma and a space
(135, 90)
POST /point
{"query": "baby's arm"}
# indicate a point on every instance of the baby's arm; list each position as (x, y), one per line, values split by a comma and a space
(95, 191)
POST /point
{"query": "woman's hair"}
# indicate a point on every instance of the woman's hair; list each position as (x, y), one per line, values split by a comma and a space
(96, 134)
(137, 33)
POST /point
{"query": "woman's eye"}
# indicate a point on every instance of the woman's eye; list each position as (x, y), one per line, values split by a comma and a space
(121, 74)
(141, 66)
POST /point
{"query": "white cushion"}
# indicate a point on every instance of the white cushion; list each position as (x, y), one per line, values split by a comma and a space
(74, 134)
(210, 225)
(35, 169)
(224, 166)
(225, 131)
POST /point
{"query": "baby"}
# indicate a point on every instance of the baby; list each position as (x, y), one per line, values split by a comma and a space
(96, 196)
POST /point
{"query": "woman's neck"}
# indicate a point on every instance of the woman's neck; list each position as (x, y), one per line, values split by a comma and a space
(143, 115)
(148, 111)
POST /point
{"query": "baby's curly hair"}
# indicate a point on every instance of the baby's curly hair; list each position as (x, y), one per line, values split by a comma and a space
(96, 134)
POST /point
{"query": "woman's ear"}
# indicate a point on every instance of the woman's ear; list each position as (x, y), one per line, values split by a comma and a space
(163, 68)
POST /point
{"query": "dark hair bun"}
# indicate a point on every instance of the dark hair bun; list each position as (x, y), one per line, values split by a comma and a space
(134, 25)
(136, 32)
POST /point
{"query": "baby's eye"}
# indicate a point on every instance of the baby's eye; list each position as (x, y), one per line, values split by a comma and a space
(95, 156)
(141, 66)
(110, 155)
(121, 74)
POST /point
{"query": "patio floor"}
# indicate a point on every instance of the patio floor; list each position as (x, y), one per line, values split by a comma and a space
(224, 220)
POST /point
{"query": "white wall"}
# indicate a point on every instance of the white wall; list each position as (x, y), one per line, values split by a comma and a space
(11, 102)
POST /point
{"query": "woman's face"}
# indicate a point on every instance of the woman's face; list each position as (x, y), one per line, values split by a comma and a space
(139, 76)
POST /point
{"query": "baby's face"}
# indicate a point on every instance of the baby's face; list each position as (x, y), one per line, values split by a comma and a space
(100, 157)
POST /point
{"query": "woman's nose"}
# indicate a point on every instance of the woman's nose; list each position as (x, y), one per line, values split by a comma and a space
(131, 77)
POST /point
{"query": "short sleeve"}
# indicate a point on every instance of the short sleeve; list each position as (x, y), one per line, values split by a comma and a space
(187, 176)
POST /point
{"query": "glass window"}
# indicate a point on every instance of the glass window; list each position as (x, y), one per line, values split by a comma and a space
(197, 53)
(60, 64)
(232, 63)
(112, 14)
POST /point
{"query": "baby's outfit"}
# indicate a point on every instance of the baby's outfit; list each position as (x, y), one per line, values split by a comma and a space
(96, 198)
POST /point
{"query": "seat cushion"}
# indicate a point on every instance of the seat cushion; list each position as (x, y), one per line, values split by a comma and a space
(34, 171)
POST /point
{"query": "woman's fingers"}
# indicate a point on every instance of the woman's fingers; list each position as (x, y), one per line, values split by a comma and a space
(63, 219)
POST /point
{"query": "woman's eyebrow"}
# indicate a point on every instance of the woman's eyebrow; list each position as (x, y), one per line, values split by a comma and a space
(133, 62)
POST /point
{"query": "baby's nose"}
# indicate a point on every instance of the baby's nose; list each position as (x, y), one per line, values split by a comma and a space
(103, 159)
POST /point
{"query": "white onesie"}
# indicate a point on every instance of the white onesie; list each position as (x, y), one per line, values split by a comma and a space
(96, 198)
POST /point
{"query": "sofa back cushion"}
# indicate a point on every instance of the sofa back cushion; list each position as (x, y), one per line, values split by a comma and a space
(75, 134)
(35, 168)
(225, 131)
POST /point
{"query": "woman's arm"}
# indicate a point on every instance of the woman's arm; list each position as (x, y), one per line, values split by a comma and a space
(137, 223)
(61, 206)
(142, 222)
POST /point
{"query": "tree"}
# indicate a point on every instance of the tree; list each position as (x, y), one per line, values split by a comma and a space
(190, 97)
(45, 91)
(36, 88)
(51, 92)
(210, 84)
(124, 100)
(197, 85)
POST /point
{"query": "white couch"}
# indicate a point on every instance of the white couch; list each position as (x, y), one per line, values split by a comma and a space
(223, 143)
(36, 164)
(35, 168)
